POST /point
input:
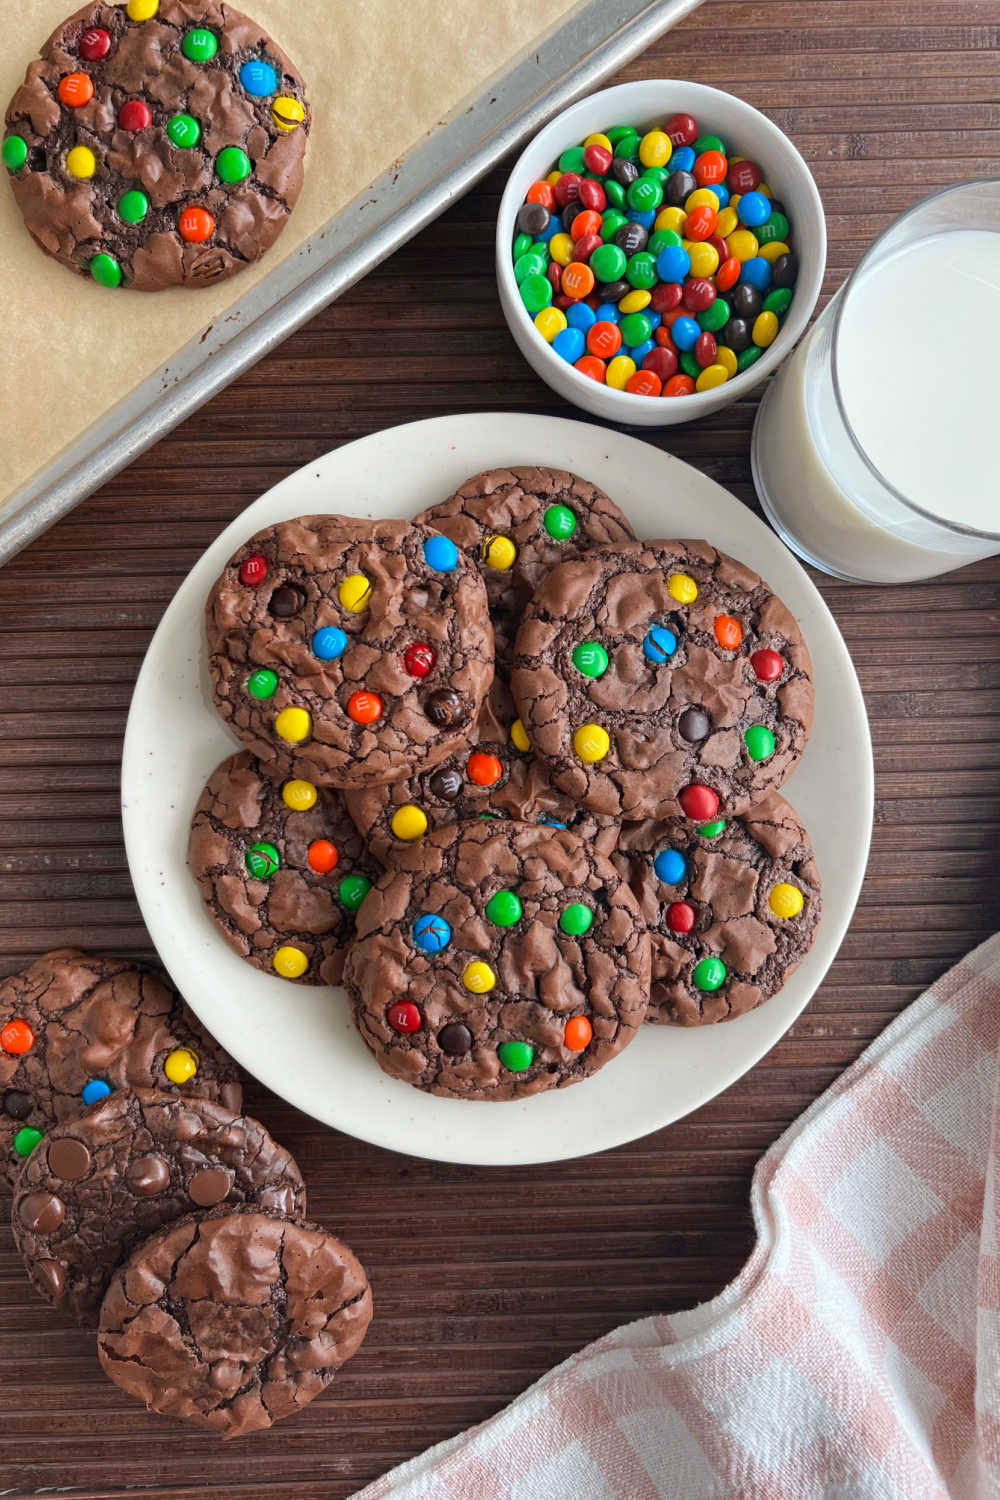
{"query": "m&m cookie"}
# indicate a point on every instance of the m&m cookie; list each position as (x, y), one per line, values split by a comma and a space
(516, 524)
(660, 679)
(281, 868)
(732, 907)
(348, 653)
(75, 1028)
(496, 960)
(157, 143)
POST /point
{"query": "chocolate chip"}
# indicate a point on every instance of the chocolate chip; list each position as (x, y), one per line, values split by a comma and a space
(455, 1039)
(532, 218)
(445, 708)
(68, 1158)
(17, 1104)
(148, 1176)
(446, 785)
(50, 1274)
(694, 724)
(287, 600)
(209, 1186)
(41, 1212)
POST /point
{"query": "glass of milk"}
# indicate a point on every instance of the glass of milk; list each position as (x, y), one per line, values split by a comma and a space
(876, 450)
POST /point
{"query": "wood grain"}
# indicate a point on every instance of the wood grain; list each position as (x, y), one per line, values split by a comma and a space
(483, 1279)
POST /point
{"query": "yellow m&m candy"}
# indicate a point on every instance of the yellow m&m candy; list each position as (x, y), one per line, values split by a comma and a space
(635, 300)
(726, 222)
(287, 113)
(591, 742)
(519, 736)
(409, 822)
(180, 1065)
(670, 218)
(293, 725)
(550, 321)
(300, 796)
(289, 962)
(682, 587)
(711, 376)
(479, 978)
(598, 138)
(498, 552)
(785, 900)
(742, 244)
(81, 162)
(355, 593)
(725, 357)
(142, 10)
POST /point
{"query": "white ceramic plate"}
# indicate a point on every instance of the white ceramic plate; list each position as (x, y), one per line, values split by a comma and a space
(300, 1041)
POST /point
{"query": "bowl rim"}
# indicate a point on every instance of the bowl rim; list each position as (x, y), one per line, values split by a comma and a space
(697, 402)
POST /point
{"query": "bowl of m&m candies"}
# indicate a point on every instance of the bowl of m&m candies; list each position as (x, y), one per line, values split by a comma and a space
(660, 249)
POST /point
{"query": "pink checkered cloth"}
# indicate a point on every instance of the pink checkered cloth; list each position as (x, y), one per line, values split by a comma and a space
(856, 1356)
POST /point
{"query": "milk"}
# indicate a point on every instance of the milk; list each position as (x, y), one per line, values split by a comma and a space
(915, 353)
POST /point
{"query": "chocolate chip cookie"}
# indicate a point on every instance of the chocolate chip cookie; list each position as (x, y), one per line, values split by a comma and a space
(281, 868)
(233, 1322)
(663, 678)
(99, 1184)
(494, 776)
(73, 1028)
(158, 143)
(732, 907)
(349, 653)
(498, 959)
(516, 524)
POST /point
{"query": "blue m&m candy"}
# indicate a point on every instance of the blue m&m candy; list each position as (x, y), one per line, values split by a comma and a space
(682, 160)
(685, 332)
(670, 866)
(753, 209)
(581, 316)
(431, 932)
(441, 554)
(260, 79)
(660, 644)
(673, 263)
(570, 344)
(757, 272)
(94, 1090)
(329, 643)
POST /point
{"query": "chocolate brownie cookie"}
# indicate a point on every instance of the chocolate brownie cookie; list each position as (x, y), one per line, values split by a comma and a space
(518, 523)
(157, 143)
(494, 776)
(233, 1322)
(348, 652)
(134, 1162)
(495, 960)
(732, 907)
(72, 1028)
(281, 869)
(662, 678)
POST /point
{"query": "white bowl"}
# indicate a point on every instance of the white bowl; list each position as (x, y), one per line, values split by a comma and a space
(747, 132)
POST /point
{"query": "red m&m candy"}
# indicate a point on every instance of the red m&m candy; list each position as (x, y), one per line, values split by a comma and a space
(404, 1016)
(135, 115)
(592, 195)
(253, 570)
(95, 44)
(699, 293)
(699, 802)
(768, 665)
(567, 189)
(662, 361)
(680, 916)
(682, 129)
(597, 158)
(743, 177)
(418, 659)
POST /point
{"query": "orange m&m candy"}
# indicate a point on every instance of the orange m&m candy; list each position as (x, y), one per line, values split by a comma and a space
(590, 365)
(577, 280)
(604, 338)
(483, 769)
(728, 274)
(323, 856)
(587, 221)
(17, 1037)
(728, 632)
(76, 89)
(196, 225)
(679, 385)
(541, 192)
(364, 708)
(644, 383)
(578, 1034)
(700, 222)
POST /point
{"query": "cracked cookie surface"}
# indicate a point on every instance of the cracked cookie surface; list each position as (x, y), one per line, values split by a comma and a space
(97, 1185)
(496, 960)
(70, 1020)
(732, 908)
(282, 876)
(341, 655)
(515, 524)
(100, 167)
(234, 1321)
(657, 667)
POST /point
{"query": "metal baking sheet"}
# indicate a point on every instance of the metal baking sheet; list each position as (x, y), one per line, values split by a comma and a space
(595, 40)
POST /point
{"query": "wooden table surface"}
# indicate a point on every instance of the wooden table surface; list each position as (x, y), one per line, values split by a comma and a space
(485, 1278)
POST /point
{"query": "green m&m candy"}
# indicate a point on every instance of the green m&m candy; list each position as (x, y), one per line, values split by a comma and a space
(262, 860)
(263, 683)
(711, 830)
(709, 143)
(536, 292)
(504, 909)
(516, 1056)
(352, 891)
(199, 44)
(776, 228)
(572, 160)
(608, 262)
(560, 522)
(184, 131)
(778, 300)
(748, 357)
(645, 194)
(759, 742)
(576, 919)
(611, 222)
(232, 164)
(614, 192)
(133, 207)
(105, 270)
(14, 152)
(709, 974)
(590, 658)
(26, 1140)
(522, 243)
(715, 317)
(635, 329)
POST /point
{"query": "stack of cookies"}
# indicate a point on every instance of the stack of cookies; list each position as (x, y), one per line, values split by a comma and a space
(148, 1206)
(512, 775)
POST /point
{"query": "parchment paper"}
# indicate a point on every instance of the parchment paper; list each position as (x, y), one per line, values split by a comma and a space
(379, 74)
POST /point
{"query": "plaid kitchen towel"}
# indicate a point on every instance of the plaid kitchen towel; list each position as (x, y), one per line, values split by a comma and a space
(856, 1356)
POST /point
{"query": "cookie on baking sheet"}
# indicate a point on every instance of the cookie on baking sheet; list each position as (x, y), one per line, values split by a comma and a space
(663, 678)
(281, 868)
(732, 907)
(99, 1184)
(349, 652)
(158, 143)
(494, 776)
(74, 1027)
(233, 1322)
(518, 523)
(498, 959)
